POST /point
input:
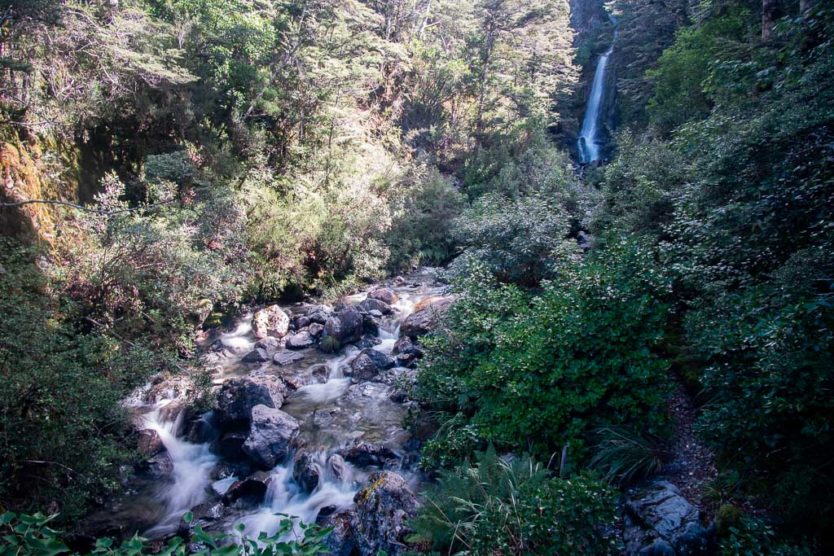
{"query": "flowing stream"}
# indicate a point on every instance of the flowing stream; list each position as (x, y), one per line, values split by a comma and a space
(589, 142)
(336, 412)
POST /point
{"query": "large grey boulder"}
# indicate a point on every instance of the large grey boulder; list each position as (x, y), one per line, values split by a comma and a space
(386, 295)
(342, 540)
(238, 396)
(270, 436)
(369, 363)
(370, 305)
(657, 517)
(343, 328)
(306, 472)
(383, 510)
(300, 340)
(426, 319)
(270, 321)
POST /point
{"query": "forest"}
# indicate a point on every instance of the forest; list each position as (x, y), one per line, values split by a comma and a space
(399, 277)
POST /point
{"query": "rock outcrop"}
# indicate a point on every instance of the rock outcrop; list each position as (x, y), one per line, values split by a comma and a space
(426, 319)
(383, 509)
(270, 436)
(659, 520)
(270, 321)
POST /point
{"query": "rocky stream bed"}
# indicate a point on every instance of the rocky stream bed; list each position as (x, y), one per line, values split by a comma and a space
(305, 417)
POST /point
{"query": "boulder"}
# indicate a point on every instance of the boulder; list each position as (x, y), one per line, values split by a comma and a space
(301, 340)
(229, 445)
(257, 355)
(386, 295)
(150, 443)
(344, 327)
(366, 454)
(318, 314)
(284, 358)
(306, 472)
(250, 491)
(316, 330)
(369, 363)
(383, 510)
(271, 321)
(370, 305)
(238, 396)
(269, 343)
(270, 436)
(427, 319)
(208, 512)
(658, 516)
(160, 465)
(337, 466)
(319, 373)
(341, 541)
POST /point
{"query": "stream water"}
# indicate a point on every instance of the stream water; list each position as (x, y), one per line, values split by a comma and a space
(589, 143)
(336, 412)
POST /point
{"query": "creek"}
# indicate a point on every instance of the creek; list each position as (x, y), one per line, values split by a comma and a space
(338, 412)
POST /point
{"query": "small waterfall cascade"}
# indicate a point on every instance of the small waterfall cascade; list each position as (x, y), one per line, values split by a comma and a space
(589, 143)
(336, 413)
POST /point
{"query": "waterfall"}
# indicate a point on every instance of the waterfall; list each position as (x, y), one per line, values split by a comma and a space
(588, 143)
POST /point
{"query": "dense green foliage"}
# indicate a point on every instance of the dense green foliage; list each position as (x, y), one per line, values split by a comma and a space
(238, 151)
(539, 372)
(31, 534)
(515, 507)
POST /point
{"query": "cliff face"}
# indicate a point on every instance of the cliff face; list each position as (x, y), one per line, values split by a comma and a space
(43, 169)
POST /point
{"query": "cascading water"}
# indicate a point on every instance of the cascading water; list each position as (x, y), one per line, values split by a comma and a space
(588, 143)
(335, 413)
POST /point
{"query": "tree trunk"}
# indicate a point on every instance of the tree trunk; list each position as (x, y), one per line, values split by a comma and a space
(771, 11)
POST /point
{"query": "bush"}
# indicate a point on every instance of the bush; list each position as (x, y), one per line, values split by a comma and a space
(31, 534)
(539, 372)
(624, 456)
(513, 506)
(422, 230)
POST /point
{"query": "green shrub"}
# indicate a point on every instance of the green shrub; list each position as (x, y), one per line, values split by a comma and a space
(31, 534)
(513, 506)
(539, 372)
(624, 456)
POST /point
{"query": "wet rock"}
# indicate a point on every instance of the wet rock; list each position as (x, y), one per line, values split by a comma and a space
(284, 358)
(118, 521)
(427, 319)
(160, 465)
(176, 412)
(230, 445)
(366, 455)
(257, 355)
(149, 443)
(180, 387)
(658, 512)
(319, 373)
(658, 548)
(370, 325)
(345, 327)
(270, 344)
(300, 340)
(369, 363)
(200, 429)
(386, 295)
(270, 436)
(208, 512)
(371, 304)
(249, 491)
(271, 321)
(316, 330)
(318, 314)
(383, 510)
(337, 466)
(341, 540)
(306, 472)
(367, 342)
(238, 396)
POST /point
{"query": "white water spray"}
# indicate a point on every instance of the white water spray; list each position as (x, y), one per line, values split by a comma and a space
(589, 143)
